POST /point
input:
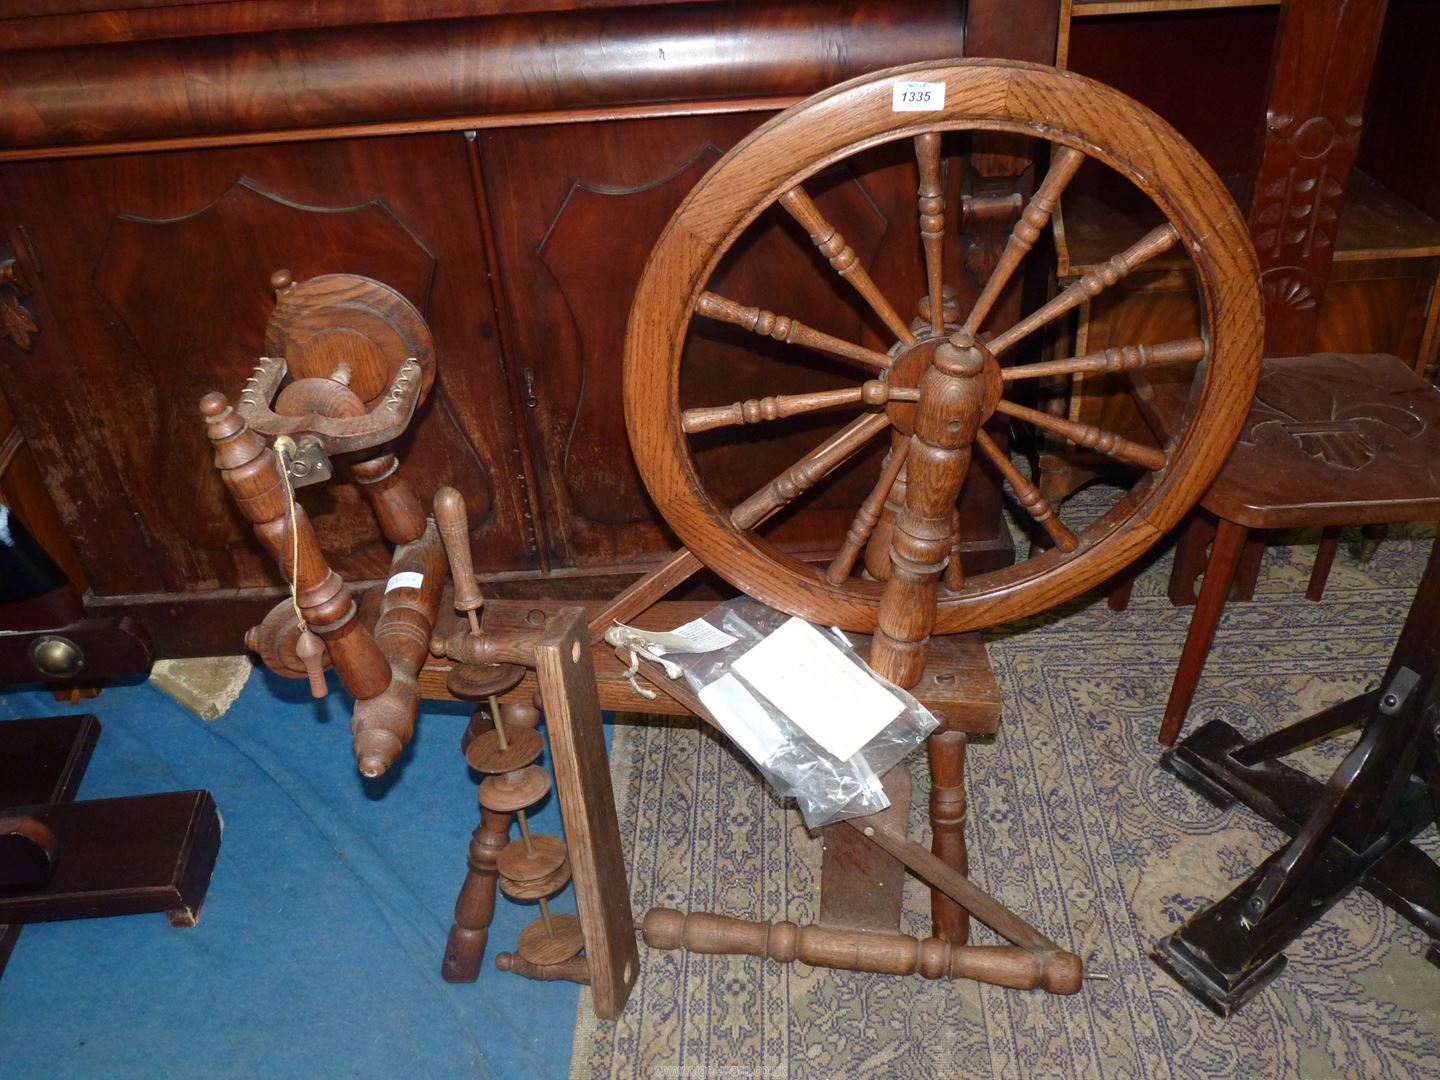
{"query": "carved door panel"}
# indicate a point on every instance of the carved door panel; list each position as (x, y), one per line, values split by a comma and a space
(575, 219)
(155, 271)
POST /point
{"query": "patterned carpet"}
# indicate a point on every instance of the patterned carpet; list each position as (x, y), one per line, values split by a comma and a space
(1072, 824)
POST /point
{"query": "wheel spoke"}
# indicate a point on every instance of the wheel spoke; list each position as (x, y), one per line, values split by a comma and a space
(1093, 438)
(867, 516)
(1027, 494)
(1182, 351)
(1033, 218)
(842, 257)
(778, 407)
(1090, 284)
(931, 203)
(783, 328)
(809, 470)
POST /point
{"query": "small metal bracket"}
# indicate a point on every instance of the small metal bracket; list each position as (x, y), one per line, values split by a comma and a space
(305, 460)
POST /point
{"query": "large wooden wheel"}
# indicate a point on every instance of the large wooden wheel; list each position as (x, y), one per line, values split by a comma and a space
(932, 391)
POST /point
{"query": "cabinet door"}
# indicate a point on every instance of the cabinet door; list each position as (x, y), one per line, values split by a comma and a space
(576, 212)
(153, 288)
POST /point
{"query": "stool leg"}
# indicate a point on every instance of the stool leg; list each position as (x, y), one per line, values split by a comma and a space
(1224, 555)
(1121, 586)
(1189, 563)
(946, 750)
(1324, 559)
(475, 906)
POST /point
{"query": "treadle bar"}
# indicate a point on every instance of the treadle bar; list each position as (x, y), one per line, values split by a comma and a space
(1354, 829)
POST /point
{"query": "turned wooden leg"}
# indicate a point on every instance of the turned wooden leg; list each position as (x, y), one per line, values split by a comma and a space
(480, 722)
(947, 823)
(475, 906)
(1324, 559)
(1224, 556)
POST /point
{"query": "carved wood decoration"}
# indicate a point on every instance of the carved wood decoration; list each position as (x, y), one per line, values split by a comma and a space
(1312, 134)
(139, 346)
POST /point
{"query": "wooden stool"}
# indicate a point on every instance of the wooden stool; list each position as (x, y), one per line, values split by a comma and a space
(1332, 439)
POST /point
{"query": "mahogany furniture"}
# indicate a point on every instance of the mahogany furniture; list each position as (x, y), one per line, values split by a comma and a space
(1332, 439)
(1352, 829)
(157, 163)
(69, 860)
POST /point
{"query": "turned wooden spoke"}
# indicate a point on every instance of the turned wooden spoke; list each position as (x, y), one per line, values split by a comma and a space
(931, 203)
(1027, 494)
(867, 516)
(1183, 351)
(755, 410)
(809, 470)
(1090, 284)
(1086, 435)
(783, 328)
(1033, 218)
(842, 257)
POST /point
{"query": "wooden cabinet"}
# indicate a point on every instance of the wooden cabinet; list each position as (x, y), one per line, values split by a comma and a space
(156, 278)
(506, 164)
(1350, 256)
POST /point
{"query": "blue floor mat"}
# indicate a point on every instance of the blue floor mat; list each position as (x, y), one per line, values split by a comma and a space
(318, 949)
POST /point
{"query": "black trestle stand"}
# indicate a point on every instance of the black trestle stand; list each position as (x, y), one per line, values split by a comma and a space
(1353, 829)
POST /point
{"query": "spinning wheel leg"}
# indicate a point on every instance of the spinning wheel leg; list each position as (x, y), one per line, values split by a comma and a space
(475, 906)
(480, 723)
(947, 822)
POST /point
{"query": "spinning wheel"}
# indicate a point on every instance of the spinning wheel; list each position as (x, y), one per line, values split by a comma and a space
(942, 378)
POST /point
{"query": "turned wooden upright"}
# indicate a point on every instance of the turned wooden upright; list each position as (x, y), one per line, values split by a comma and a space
(957, 394)
(252, 472)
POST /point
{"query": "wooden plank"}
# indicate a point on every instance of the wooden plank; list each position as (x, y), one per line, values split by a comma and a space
(124, 857)
(958, 686)
(587, 806)
(862, 885)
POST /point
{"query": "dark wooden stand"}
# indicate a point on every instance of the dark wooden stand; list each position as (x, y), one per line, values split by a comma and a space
(43, 762)
(103, 857)
(1354, 829)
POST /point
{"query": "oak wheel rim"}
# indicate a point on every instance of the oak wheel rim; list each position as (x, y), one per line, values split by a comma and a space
(981, 95)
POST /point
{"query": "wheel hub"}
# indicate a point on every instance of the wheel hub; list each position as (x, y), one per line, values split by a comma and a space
(912, 363)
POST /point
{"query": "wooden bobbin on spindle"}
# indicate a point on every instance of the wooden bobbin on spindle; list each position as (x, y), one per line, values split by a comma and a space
(535, 866)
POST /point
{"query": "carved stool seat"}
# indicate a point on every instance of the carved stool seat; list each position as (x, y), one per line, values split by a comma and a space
(1332, 439)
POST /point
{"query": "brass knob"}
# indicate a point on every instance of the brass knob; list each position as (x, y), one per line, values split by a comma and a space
(57, 657)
